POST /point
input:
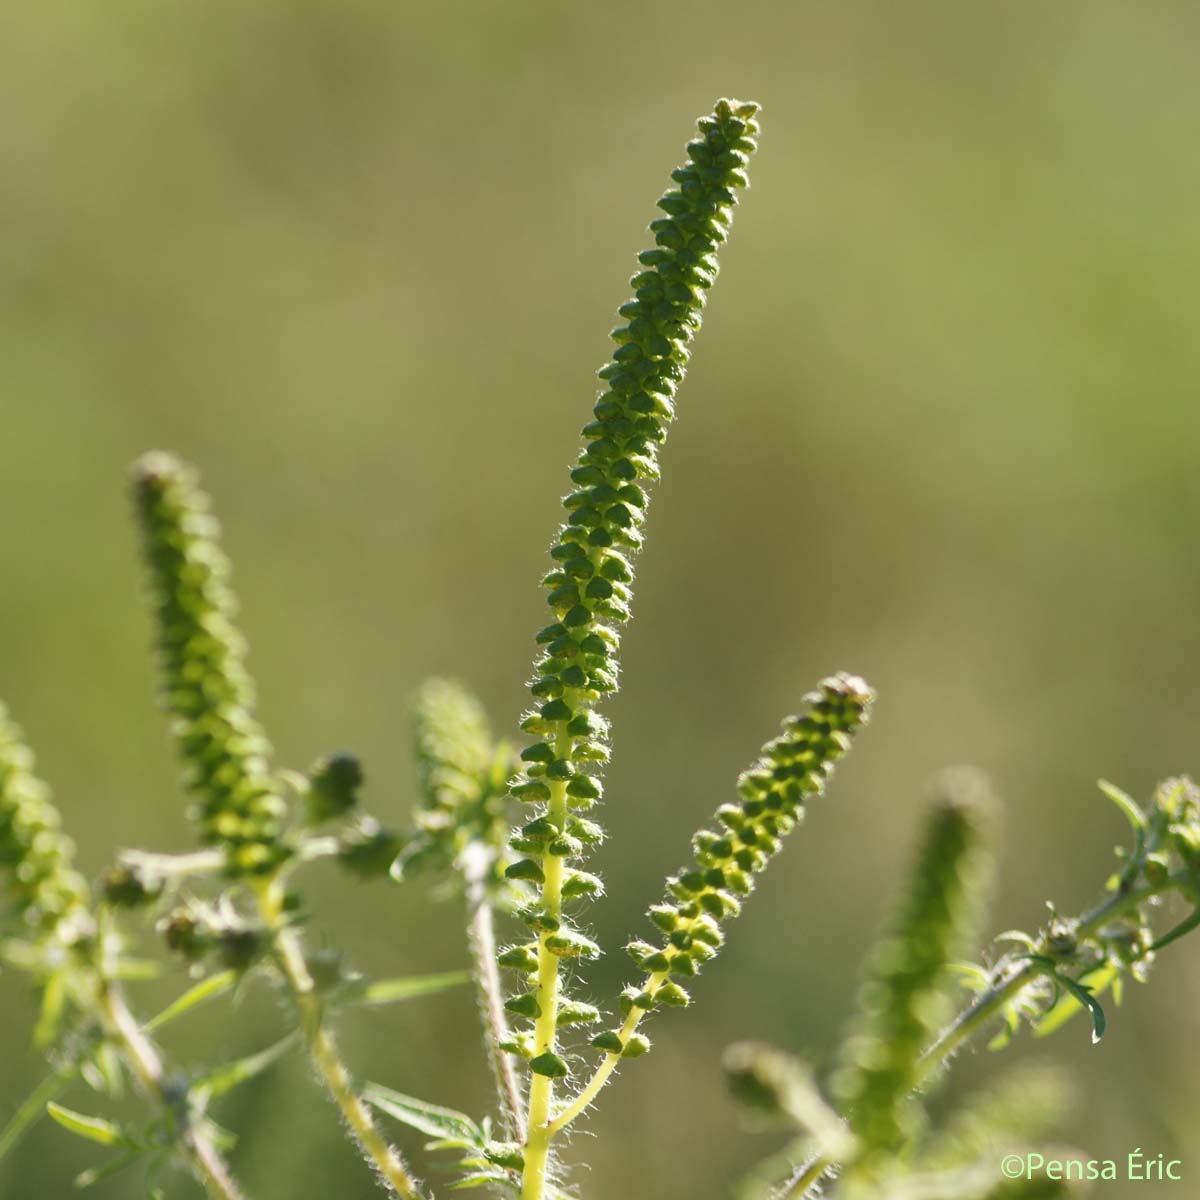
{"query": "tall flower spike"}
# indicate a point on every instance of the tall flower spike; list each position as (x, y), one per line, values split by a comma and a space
(903, 1002)
(207, 688)
(44, 892)
(707, 892)
(589, 585)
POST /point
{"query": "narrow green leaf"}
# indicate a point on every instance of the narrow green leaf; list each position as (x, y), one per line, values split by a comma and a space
(1184, 926)
(32, 1109)
(431, 1119)
(1018, 936)
(54, 998)
(391, 991)
(1084, 995)
(1068, 1005)
(95, 1129)
(1128, 805)
(225, 1078)
(488, 1177)
(94, 1175)
(206, 989)
(103, 1071)
(1012, 1022)
(136, 970)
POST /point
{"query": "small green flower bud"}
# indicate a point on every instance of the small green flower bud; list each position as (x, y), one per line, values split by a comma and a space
(570, 943)
(519, 958)
(524, 1006)
(586, 831)
(525, 868)
(531, 791)
(672, 995)
(186, 934)
(573, 1012)
(548, 1064)
(640, 951)
(636, 1045)
(367, 849)
(581, 883)
(609, 1041)
(520, 1044)
(206, 684)
(125, 886)
(334, 782)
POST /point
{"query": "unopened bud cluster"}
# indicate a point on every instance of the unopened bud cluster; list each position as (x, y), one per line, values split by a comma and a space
(793, 767)
(589, 585)
(41, 887)
(207, 688)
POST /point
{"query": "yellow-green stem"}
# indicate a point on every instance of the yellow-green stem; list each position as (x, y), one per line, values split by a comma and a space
(592, 1088)
(144, 1061)
(545, 1033)
(323, 1051)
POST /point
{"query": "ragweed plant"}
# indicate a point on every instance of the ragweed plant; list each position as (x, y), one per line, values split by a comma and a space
(506, 833)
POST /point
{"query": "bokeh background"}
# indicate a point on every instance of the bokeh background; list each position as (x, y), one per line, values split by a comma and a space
(358, 260)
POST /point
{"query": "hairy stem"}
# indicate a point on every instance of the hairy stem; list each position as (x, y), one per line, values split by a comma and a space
(608, 1064)
(323, 1049)
(144, 1060)
(541, 1087)
(481, 939)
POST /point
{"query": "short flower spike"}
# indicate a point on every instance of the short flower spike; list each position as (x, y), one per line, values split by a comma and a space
(207, 688)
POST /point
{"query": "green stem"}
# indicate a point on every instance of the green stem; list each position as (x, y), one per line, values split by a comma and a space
(545, 1034)
(477, 863)
(323, 1051)
(146, 1064)
(33, 1107)
(600, 1077)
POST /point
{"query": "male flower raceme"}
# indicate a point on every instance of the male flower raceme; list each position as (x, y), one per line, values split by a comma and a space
(792, 768)
(46, 896)
(208, 689)
(589, 584)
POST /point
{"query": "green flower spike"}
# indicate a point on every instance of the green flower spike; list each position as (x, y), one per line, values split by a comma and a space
(208, 690)
(43, 891)
(243, 808)
(58, 941)
(793, 766)
(46, 898)
(589, 585)
(904, 1001)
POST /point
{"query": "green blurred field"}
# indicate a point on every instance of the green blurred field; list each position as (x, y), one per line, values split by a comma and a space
(358, 260)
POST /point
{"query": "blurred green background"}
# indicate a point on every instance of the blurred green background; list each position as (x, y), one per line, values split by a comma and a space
(358, 260)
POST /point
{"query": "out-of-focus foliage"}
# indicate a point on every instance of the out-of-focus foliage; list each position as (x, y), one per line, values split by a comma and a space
(358, 260)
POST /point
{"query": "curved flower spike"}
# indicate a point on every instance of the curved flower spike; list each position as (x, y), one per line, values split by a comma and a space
(793, 766)
(710, 890)
(589, 585)
(589, 592)
(207, 687)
